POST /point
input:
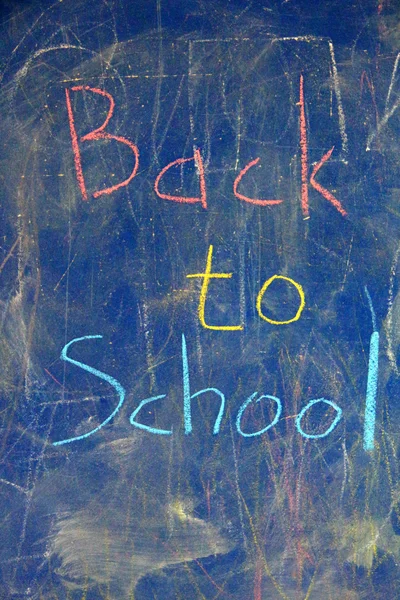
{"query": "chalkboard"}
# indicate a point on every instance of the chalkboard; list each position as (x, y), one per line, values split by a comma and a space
(199, 300)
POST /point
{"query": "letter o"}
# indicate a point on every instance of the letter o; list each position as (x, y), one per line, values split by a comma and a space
(264, 289)
(330, 428)
(245, 405)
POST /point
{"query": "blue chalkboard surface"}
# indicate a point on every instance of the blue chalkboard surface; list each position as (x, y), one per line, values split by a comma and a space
(199, 300)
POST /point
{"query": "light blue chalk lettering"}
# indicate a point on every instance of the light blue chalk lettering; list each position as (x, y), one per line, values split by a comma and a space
(330, 428)
(113, 382)
(187, 398)
(245, 404)
(218, 420)
(372, 387)
(146, 427)
(372, 382)
(187, 408)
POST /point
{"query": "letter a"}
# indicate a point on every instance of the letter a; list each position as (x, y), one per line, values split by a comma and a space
(202, 182)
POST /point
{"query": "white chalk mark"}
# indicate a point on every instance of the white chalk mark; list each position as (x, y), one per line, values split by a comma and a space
(392, 81)
(342, 122)
(335, 77)
(382, 123)
(14, 485)
(389, 319)
(148, 340)
(237, 485)
(389, 112)
(157, 97)
(190, 87)
(348, 268)
(238, 132)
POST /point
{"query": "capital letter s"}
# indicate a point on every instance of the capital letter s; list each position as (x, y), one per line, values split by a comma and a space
(113, 382)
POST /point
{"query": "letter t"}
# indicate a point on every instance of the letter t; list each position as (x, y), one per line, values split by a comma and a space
(203, 294)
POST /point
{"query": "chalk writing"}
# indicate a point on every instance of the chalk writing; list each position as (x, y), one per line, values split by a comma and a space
(254, 201)
(113, 382)
(304, 153)
(97, 134)
(314, 436)
(251, 399)
(101, 134)
(206, 276)
(184, 199)
(264, 288)
(187, 397)
(187, 402)
(372, 382)
(132, 418)
(265, 171)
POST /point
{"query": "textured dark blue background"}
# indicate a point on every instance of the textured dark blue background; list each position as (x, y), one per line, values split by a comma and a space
(126, 513)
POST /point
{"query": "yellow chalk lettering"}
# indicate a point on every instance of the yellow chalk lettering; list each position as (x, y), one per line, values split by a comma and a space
(203, 294)
(264, 289)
